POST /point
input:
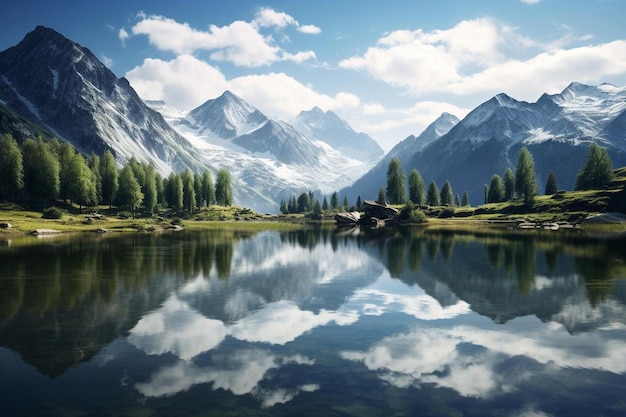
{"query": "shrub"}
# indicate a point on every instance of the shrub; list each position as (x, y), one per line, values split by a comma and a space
(52, 213)
(447, 212)
(411, 214)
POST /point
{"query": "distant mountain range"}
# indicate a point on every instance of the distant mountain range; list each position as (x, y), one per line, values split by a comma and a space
(557, 130)
(52, 86)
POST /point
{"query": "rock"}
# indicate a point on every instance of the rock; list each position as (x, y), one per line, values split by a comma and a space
(347, 219)
(379, 211)
(5, 225)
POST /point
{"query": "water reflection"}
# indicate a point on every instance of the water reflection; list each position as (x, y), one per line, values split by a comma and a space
(353, 323)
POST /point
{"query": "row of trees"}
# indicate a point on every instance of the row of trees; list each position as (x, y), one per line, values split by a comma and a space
(396, 191)
(41, 172)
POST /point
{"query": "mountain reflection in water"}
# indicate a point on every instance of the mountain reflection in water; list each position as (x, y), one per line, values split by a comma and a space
(380, 322)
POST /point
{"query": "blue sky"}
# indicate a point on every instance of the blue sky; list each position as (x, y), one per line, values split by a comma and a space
(387, 67)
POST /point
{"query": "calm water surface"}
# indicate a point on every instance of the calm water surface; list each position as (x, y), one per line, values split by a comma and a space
(313, 323)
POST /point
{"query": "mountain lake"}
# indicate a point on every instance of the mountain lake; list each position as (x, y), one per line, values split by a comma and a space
(386, 322)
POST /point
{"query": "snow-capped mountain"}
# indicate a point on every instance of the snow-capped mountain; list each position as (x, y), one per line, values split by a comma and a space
(330, 128)
(274, 158)
(62, 86)
(557, 130)
(226, 117)
(367, 186)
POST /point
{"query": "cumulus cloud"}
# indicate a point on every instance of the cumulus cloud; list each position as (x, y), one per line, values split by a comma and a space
(266, 17)
(482, 55)
(241, 43)
(184, 82)
(279, 95)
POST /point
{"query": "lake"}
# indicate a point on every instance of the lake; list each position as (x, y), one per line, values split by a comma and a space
(397, 322)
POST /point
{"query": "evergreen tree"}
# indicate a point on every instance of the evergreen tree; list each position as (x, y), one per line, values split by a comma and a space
(432, 196)
(292, 206)
(129, 193)
(551, 186)
(525, 178)
(447, 198)
(208, 189)
(160, 187)
(197, 188)
(94, 166)
(317, 210)
(177, 192)
(138, 170)
(457, 200)
(151, 197)
(359, 203)
(345, 203)
(381, 199)
(496, 190)
(416, 187)
(304, 203)
(81, 188)
(65, 154)
(485, 194)
(334, 201)
(223, 188)
(465, 201)
(509, 185)
(11, 168)
(189, 193)
(325, 204)
(396, 182)
(283, 207)
(41, 171)
(597, 171)
(110, 178)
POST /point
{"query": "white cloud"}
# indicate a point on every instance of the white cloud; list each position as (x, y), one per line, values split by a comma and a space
(281, 96)
(483, 56)
(269, 17)
(310, 29)
(239, 42)
(184, 82)
(122, 35)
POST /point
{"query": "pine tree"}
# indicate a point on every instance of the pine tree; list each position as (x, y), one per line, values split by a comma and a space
(197, 188)
(81, 187)
(551, 186)
(129, 192)
(303, 203)
(597, 171)
(325, 204)
(11, 168)
(151, 197)
(94, 166)
(334, 201)
(41, 171)
(189, 193)
(396, 182)
(381, 199)
(177, 192)
(465, 201)
(485, 194)
(359, 203)
(223, 188)
(496, 190)
(509, 185)
(432, 196)
(283, 207)
(110, 178)
(416, 188)
(457, 200)
(208, 189)
(345, 202)
(525, 177)
(447, 198)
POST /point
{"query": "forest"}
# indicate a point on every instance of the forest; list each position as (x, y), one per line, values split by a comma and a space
(40, 173)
